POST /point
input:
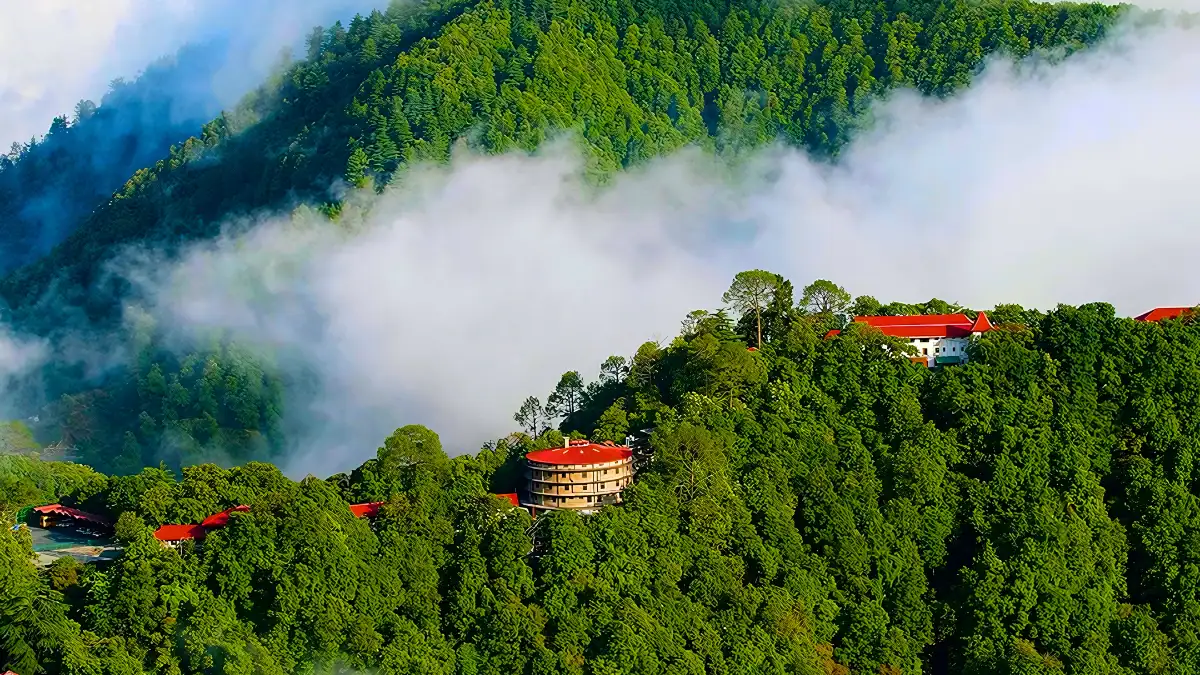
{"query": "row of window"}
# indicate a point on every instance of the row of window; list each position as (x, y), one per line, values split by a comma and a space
(584, 487)
(939, 350)
(553, 500)
(551, 475)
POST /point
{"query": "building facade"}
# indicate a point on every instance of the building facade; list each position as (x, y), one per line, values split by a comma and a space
(940, 339)
(580, 476)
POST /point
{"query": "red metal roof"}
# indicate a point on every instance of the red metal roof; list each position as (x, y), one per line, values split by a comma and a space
(60, 510)
(368, 510)
(928, 325)
(510, 496)
(180, 532)
(982, 324)
(580, 451)
(222, 519)
(1161, 313)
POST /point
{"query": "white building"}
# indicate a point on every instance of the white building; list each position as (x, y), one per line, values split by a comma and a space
(939, 339)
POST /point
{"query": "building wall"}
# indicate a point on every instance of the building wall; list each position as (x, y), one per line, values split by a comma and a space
(576, 486)
(931, 348)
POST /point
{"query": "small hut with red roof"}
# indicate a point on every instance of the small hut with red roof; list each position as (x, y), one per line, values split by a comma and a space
(940, 339)
(580, 476)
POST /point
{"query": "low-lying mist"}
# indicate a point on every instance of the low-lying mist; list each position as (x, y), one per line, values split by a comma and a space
(469, 287)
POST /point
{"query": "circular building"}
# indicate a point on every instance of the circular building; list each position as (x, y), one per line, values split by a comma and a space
(580, 476)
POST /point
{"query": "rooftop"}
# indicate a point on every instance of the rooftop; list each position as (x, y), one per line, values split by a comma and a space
(222, 519)
(925, 325)
(579, 451)
(180, 532)
(60, 510)
(1162, 313)
(369, 509)
(219, 520)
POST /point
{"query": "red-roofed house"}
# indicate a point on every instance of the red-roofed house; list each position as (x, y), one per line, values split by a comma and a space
(939, 338)
(581, 476)
(512, 498)
(1162, 313)
(50, 514)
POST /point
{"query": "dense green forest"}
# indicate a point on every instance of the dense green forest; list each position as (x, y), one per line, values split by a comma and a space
(630, 80)
(49, 184)
(818, 505)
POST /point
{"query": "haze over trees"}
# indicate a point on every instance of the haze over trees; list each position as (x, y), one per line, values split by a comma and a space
(814, 506)
(402, 86)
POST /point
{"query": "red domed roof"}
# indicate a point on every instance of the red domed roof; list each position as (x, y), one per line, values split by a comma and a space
(581, 452)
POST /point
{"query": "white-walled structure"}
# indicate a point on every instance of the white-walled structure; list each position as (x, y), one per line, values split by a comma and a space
(938, 338)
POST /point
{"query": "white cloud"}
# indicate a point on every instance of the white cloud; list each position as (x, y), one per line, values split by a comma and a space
(477, 285)
(55, 52)
(18, 357)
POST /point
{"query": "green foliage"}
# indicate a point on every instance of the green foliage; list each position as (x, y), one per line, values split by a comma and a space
(25, 481)
(816, 506)
(629, 81)
(16, 438)
(750, 293)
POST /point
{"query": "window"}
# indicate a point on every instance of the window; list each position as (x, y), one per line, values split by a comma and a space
(925, 351)
(589, 499)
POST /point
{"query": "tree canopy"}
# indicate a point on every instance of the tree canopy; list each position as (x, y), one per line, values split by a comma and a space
(820, 505)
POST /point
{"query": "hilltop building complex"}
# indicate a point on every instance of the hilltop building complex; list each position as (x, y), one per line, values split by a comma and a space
(940, 339)
(581, 476)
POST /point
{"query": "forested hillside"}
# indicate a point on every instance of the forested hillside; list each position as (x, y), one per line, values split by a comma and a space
(48, 185)
(633, 79)
(630, 79)
(816, 506)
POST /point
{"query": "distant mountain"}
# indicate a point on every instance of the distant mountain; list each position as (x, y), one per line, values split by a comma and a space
(634, 79)
(48, 186)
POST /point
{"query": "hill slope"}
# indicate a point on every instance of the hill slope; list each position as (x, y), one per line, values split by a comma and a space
(632, 80)
(815, 507)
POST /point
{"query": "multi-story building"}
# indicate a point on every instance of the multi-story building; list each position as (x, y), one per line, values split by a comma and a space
(581, 476)
(939, 339)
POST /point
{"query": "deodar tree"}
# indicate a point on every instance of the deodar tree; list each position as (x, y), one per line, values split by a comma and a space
(751, 292)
